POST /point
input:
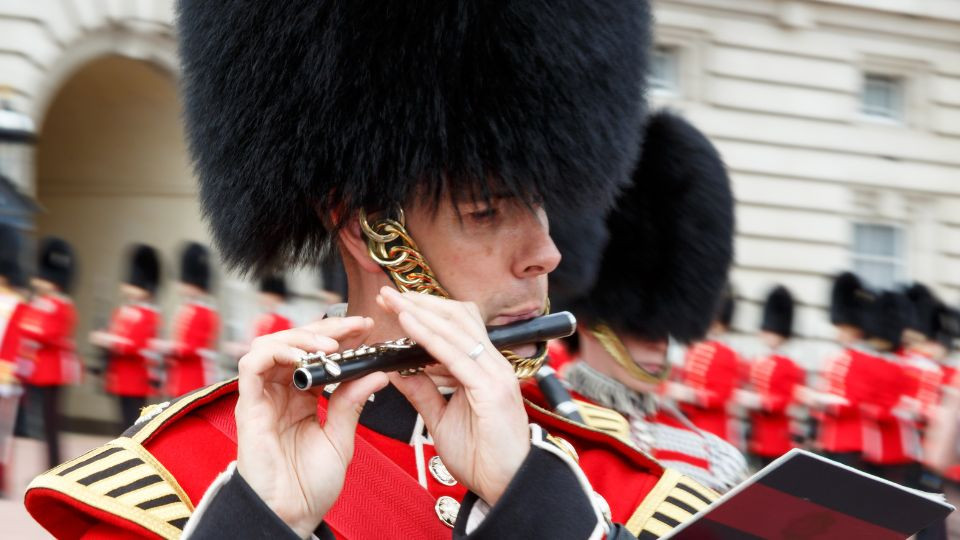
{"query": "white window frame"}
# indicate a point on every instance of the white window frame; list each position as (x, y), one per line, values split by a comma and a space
(914, 75)
(896, 85)
(899, 260)
(671, 86)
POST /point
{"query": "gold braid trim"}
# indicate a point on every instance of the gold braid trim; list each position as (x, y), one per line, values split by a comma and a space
(123, 479)
(392, 247)
(668, 505)
(618, 351)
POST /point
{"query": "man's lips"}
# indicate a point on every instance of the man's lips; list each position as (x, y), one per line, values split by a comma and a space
(514, 316)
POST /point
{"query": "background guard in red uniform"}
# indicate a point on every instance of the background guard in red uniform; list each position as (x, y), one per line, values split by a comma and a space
(891, 444)
(48, 359)
(679, 208)
(709, 376)
(191, 350)
(12, 309)
(923, 353)
(836, 401)
(773, 379)
(132, 327)
(271, 298)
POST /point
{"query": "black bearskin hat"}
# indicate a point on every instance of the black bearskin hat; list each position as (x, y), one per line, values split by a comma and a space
(274, 284)
(580, 239)
(924, 313)
(9, 254)
(726, 307)
(886, 320)
(948, 326)
(778, 312)
(849, 300)
(303, 107)
(144, 271)
(671, 239)
(195, 266)
(56, 263)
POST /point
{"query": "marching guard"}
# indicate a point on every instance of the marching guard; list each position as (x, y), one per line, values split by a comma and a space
(12, 309)
(132, 327)
(709, 376)
(891, 447)
(773, 379)
(272, 296)
(425, 141)
(193, 340)
(680, 208)
(48, 359)
(837, 401)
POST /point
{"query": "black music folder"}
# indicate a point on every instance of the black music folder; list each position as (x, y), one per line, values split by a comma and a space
(805, 496)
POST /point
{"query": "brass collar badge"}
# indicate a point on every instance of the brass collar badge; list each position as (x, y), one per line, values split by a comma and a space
(392, 247)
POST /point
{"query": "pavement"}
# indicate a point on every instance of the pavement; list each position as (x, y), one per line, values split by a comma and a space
(28, 459)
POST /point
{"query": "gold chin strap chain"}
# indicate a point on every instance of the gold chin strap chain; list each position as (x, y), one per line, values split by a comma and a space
(615, 348)
(390, 245)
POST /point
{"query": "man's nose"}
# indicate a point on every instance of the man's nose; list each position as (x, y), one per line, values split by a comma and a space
(538, 254)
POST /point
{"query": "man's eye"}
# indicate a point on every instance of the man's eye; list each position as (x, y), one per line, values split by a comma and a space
(485, 214)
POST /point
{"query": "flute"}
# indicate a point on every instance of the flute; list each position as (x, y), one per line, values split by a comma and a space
(320, 369)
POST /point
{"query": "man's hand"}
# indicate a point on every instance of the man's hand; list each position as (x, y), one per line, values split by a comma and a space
(481, 433)
(292, 462)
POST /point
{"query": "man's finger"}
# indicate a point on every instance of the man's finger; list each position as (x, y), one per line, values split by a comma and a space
(266, 364)
(340, 328)
(455, 359)
(423, 395)
(301, 338)
(344, 409)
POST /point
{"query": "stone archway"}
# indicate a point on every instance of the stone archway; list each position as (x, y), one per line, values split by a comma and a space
(112, 169)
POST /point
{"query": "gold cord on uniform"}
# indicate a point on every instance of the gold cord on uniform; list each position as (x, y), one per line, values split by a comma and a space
(392, 247)
(616, 349)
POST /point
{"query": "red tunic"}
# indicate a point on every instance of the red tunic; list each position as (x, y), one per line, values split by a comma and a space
(270, 323)
(774, 378)
(559, 354)
(623, 476)
(47, 349)
(194, 335)
(711, 370)
(840, 425)
(887, 438)
(127, 371)
(924, 378)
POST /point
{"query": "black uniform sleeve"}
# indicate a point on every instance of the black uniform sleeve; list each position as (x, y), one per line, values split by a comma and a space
(238, 513)
(544, 500)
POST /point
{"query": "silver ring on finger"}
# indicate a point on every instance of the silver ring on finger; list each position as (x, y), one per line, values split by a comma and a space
(477, 351)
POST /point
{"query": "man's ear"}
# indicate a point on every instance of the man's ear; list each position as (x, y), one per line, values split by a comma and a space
(355, 245)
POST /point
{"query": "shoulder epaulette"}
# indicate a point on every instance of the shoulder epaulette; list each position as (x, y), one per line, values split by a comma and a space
(604, 419)
(123, 479)
(673, 500)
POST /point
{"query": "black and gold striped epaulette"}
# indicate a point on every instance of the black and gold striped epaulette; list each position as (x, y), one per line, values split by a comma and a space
(674, 499)
(123, 479)
(605, 419)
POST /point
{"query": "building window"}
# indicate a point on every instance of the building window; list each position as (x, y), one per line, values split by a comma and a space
(665, 70)
(882, 97)
(879, 254)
